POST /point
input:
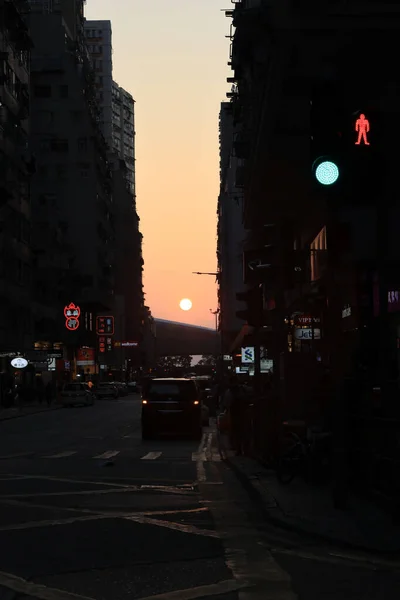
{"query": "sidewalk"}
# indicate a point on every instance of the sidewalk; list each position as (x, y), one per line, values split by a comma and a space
(309, 509)
(29, 409)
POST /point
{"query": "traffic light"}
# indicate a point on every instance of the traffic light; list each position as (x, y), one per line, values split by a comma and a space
(346, 145)
(253, 313)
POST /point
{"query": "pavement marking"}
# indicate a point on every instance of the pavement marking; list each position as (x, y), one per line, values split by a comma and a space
(108, 454)
(339, 558)
(201, 458)
(53, 522)
(35, 590)
(18, 455)
(62, 454)
(151, 456)
(176, 526)
(203, 591)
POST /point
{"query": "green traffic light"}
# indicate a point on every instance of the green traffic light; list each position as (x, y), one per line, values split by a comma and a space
(327, 173)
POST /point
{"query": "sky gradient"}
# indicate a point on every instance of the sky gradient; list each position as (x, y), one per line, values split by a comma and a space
(172, 57)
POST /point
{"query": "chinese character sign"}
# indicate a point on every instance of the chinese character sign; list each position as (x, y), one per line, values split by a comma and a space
(362, 128)
(105, 325)
(72, 314)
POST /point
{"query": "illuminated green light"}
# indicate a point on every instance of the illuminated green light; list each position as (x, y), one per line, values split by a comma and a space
(327, 173)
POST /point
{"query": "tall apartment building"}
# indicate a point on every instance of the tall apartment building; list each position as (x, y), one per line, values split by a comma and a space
(16, 320)
(123, 129)
(231, 232)
(116, 104)
(98, 36)
(71, 190)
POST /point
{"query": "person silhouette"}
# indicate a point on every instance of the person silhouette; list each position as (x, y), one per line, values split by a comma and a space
(362, 127)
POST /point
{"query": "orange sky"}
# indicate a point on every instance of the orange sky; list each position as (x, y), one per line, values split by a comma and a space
(172, 57)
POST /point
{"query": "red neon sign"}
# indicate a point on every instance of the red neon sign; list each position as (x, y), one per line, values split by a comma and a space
(72, 314)
(362, 127)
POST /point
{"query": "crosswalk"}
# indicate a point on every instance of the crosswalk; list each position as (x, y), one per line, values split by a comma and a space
(118, 454)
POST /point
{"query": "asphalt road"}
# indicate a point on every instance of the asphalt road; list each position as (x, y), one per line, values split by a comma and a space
(88, 510)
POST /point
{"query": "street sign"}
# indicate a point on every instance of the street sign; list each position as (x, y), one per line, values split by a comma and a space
(105, 325)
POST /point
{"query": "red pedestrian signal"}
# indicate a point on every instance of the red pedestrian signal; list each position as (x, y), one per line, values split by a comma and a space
(363, 128)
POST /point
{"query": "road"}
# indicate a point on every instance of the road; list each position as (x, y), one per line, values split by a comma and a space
(89, 511)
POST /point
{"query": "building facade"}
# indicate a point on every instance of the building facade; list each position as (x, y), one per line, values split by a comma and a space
(98, 36)
(123, 129)
(328, 236)
(71, 191)
(231, 232)
(16, 318)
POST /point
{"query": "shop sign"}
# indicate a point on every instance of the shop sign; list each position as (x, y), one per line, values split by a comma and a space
(72, 314)
(85, 357)
(19, 362)
(304, 320)
(105, 325)
(248, 355)
(307, 334)
(129, 344)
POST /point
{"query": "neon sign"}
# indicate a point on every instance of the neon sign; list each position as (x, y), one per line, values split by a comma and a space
(362, 127)
(72, 314)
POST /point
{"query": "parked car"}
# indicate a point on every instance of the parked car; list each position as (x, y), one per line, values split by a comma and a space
(171, 406)
(122, 388)
(76, 393)
(133, 387)
(107, 390)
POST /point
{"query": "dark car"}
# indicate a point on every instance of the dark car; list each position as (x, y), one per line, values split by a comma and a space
(171, 406)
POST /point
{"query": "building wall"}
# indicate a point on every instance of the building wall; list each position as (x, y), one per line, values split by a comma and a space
(16, 323)
(99, 43)
(123, 111)
(72, 184)
(231, 232)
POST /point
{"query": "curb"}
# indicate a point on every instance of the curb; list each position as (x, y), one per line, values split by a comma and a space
(36, 412)
(260, 499)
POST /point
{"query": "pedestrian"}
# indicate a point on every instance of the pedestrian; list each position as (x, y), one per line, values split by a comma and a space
(234, 400)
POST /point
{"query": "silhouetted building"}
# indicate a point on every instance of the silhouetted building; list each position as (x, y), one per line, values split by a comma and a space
(71, 191)
(231, 232)
(16, 320)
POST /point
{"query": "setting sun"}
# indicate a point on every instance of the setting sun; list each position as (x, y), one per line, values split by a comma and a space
(185, 304)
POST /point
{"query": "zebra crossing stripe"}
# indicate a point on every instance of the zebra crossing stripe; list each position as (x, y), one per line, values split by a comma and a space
(151, 455)
(108, 454)
(62, 454)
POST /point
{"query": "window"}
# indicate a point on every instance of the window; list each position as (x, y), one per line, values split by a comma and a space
(171, 390)
(82, 144)
(61, 171)
(59, 145)
(63, 91)
(45, 118)
(45, 145)
(42, 91)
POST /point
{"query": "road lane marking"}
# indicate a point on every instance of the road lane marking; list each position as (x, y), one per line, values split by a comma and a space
(18, 455)
(201, 473)
(36, 590)
(360, 561)
(203, 591)
(119, 490)
(191, 529)
(151, 456)
(62, 454)
(108, 454)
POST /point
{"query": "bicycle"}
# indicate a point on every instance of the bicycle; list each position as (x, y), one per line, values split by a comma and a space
(302, 457)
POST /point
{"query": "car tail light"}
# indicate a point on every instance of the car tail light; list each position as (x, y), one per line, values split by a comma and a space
(196, 402)
(144, 401)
